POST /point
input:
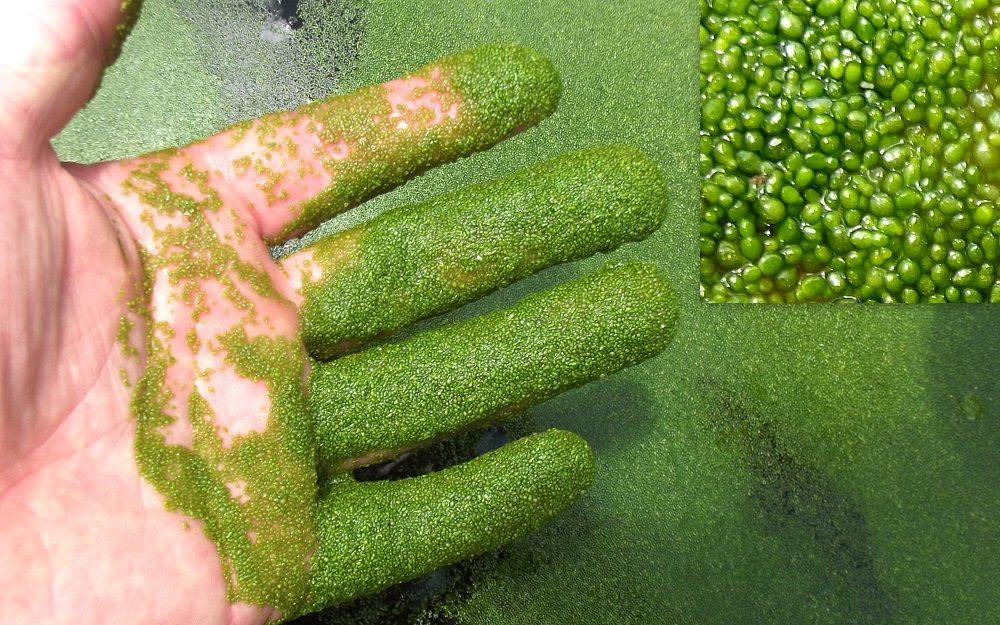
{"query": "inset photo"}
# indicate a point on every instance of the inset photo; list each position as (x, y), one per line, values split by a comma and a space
(850, 151)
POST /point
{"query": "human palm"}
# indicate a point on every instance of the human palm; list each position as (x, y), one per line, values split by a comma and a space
(178, 418)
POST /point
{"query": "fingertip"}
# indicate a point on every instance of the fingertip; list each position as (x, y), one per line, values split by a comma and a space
(506, 87)
(633, 184)
(374, 534)
(647, 181)
(656, 302)
(632, 307)
(565, 463)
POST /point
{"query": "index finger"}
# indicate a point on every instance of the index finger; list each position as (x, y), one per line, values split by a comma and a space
(293, 170)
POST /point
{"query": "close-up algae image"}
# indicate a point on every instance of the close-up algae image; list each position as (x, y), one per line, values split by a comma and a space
(396, 312)
(850, 151)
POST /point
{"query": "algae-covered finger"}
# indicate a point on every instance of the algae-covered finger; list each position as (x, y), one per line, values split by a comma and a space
(369, 405)
(375, 534)
(424, 259)
(293, 170)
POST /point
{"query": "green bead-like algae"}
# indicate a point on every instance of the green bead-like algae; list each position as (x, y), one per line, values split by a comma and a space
(368, 406)
(424, 259)
(499, 89)
(266, 544)
(890, 109)
(375, 534)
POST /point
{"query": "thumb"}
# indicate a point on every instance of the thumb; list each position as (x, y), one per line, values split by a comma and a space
(52, 53)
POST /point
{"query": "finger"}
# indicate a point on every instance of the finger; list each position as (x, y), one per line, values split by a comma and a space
(421, 260)
(296, 169)
(375, 534)
(370, 405)
(52, 53)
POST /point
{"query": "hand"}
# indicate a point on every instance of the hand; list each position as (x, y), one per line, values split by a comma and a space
(178, 418)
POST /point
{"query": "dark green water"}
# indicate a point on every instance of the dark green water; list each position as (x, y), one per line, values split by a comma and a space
(779, 464)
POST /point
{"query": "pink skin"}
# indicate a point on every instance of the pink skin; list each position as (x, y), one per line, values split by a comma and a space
(295, 156)
(85, 538)
(301, 269)
(407, 103)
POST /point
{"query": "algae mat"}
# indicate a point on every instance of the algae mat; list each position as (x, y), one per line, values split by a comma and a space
(821, 464)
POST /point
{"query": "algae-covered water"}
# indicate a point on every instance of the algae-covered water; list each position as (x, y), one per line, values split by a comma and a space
(778, 464)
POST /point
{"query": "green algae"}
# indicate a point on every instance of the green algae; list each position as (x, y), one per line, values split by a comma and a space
(265, 554)
(430, 598)
(263, 544)
(265, 533)
(850, 152)
(666, 534)
(425, 259)
(266, 557)
(368, 406)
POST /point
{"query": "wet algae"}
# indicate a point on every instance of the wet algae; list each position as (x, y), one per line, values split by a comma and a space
(265, 535)
(876, 418)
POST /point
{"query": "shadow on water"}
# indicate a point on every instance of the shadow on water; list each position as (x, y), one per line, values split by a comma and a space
(287, 11)
(428, 600)
(792, 499)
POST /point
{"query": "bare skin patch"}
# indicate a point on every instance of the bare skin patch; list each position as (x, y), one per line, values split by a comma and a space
(338, 151)
(310, 266)
(302, 268)
(238, 491)
(418, 101)
(276, 163)
(220, 385)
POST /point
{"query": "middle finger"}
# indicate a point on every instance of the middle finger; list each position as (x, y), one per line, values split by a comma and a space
(422, 260)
